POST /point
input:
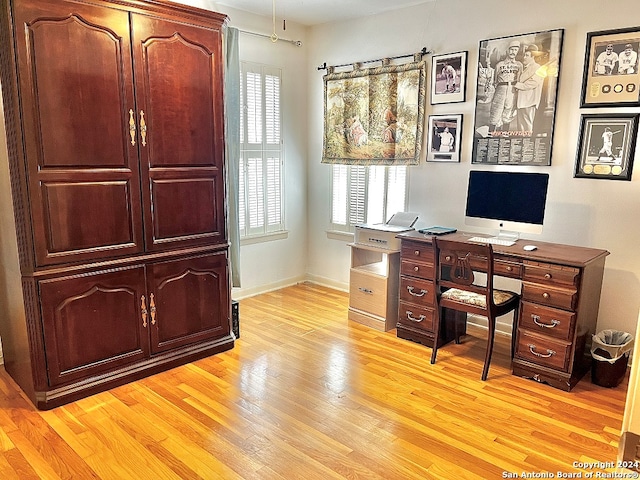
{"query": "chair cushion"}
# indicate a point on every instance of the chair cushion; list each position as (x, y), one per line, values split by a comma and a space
(470, 298)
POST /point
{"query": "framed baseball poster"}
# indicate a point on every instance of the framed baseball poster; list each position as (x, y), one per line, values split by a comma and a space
(443, 143)
(606, 146)
(516, 95)
(611, 74)
(448, 78)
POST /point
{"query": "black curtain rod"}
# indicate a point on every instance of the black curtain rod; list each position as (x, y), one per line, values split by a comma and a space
(422, 52)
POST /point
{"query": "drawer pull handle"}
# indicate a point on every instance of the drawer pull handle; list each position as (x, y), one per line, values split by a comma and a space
(547, 276)
(550, 353)
(416, 294)
(143, 308)
(365, 290)
(546, 295)
(509, 268)
(447, 258)
(152, 309)
(132, 127)
(416, 252)
(414, 319)
(415, 269)
(536, 320)
(143, 129)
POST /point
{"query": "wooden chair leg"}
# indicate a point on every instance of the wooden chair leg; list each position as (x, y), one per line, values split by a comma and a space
(436, 334)
(491, 333)
(514, 331)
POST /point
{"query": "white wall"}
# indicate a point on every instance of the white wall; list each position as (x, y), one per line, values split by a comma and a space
(273, 264)
(596, 213)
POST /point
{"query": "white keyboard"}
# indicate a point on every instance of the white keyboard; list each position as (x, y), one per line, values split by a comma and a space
(493, 241)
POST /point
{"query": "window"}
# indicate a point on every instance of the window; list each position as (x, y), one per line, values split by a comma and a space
(260, 187)
(366, 194)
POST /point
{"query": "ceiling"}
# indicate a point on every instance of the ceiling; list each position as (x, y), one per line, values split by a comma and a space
(315, 12)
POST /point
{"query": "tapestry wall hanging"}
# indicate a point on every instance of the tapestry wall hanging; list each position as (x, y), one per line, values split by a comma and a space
(374, 116)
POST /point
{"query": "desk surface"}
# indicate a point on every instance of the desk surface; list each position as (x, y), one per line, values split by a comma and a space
(570, 255)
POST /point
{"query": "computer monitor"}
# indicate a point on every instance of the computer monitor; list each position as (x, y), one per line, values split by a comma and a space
(510, 202)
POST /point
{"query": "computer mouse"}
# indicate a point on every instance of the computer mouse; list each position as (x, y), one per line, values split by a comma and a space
(530, 248)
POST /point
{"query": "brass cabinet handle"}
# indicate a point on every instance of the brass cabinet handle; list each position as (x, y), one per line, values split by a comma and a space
(414, 319)
(547, 276)
(509, 268)
(143, 130)
(132, 127)
(448, 258)
(532, 349)
(415, 294)
(416, 268)
(545, 295)
(152, 304)
(416, 252)
(143, 307)
(536, 319)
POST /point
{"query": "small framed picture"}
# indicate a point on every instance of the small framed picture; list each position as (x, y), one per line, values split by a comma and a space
(606, 146)
(444, 138)
(448, 78)
(611, 74)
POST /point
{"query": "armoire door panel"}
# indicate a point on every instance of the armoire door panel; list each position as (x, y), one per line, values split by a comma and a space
(179, 72)
(83, 216)
(93, 323)
(74, 130)
(177, 209)
(190, 301)
(177, 65)
(77, 90)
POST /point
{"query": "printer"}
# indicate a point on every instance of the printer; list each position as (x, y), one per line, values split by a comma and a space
(383, 235)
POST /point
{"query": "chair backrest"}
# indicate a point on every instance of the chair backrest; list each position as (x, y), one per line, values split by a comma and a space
(456, 265)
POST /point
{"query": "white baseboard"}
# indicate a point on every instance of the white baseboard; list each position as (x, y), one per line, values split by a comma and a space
(240, 293)
(502, 328)
(327, 282)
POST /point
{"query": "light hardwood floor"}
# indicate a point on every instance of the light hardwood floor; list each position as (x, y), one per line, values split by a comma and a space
(306, 394)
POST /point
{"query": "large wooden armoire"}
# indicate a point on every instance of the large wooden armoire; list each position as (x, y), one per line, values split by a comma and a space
(115, 263)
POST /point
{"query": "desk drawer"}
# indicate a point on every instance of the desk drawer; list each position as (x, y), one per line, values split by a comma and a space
(415, 316)
(547, 321)
(543, 350)
(418, 291)
(416, 269)
(546, 295)
(421, 252)
(368, 293)
(507, 269)
(550, 274)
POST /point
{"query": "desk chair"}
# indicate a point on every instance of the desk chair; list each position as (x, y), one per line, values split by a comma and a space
(457, 289)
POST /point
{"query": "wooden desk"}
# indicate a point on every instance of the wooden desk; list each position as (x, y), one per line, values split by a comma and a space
(558, 312)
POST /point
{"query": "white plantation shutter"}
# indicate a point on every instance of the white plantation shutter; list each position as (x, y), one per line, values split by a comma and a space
(357, 194)
(396, 190)
(261, 185)
(366, 194)
(273, 194)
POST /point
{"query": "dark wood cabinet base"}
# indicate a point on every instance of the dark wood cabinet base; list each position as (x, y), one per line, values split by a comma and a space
(447, 330)
(560, 380)
(59, 396)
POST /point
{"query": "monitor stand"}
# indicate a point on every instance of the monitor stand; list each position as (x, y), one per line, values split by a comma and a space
(508, 235)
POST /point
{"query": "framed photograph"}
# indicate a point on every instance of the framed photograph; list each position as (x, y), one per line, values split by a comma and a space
(611, 74)
(516, 96)
(443, 143)
(448, 78)
(606, 146)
